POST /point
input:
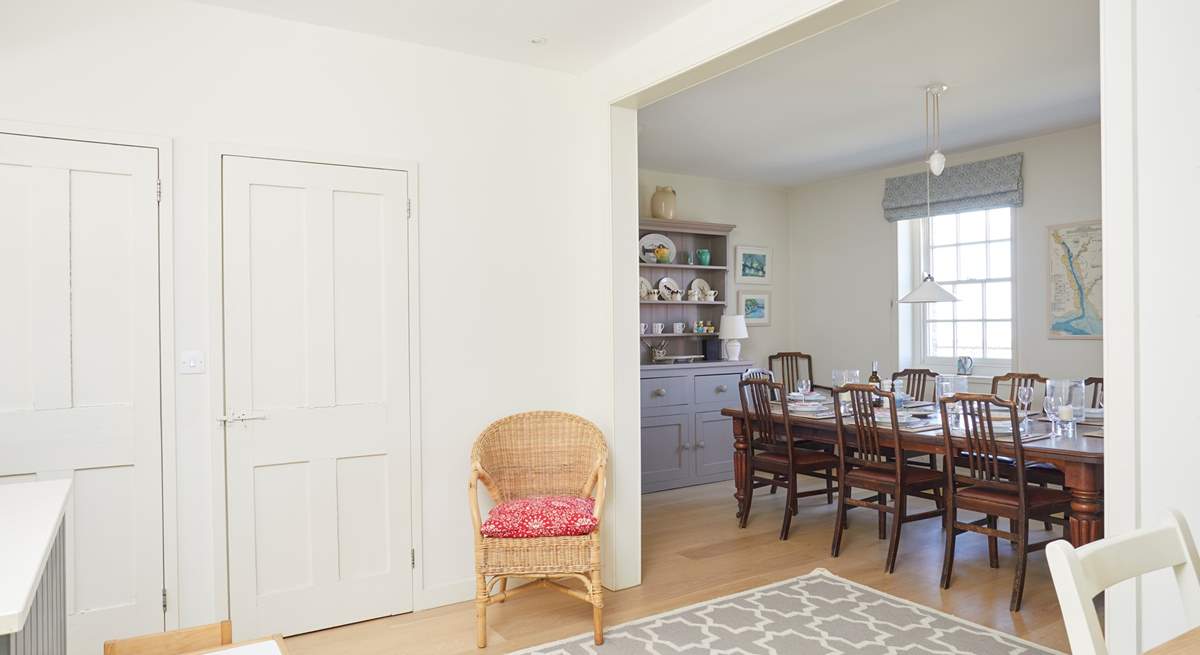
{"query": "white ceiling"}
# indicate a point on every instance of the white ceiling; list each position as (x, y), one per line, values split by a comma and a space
(851, 99)
(578, 33)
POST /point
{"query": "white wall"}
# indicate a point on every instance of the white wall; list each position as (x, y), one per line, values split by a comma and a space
(844, 257)
(760, 213)
(491, 140)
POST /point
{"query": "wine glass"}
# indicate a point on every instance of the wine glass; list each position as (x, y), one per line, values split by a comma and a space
(1024, 398)
(1050, 406)
(804, 386)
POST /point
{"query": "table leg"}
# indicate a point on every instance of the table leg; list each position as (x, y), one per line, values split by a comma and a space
(1087, 517)
(740, 448)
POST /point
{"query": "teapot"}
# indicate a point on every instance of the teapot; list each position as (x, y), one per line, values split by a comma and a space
(965, 365)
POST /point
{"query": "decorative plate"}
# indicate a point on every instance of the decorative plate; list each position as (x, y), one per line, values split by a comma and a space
(701, 285)
(651, 241)
(645, 290)
(666, 286)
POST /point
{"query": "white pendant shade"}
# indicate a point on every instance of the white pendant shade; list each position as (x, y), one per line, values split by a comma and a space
(734, 327)
(929, 291)
(937, 162)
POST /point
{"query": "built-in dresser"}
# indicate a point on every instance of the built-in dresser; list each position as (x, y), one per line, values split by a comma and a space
(685, 440)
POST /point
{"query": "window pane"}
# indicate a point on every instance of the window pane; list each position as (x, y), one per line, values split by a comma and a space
(970, 338)
(972, 262)
(999, 340)
(941, 230)
(944, 263)
(970, 301)
(999, 223)
(941, 311)
(1000, 258)
(941, 339)
(999, 300)
(972, 226)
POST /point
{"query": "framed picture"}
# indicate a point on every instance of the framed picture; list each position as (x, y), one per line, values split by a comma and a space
(1075, 309)
(756, 306)
(752, 265)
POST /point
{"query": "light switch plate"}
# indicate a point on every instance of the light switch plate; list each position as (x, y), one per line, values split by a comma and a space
(191, 362)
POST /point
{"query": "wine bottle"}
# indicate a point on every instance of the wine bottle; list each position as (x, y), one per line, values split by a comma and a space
(874, 379)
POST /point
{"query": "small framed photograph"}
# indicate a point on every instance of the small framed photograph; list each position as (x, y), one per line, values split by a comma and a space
(752, 265)
(756, 306)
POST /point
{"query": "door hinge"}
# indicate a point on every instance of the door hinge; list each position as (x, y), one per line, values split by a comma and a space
(164, 599)
(408, 204)
(158, 190)
(412, 558)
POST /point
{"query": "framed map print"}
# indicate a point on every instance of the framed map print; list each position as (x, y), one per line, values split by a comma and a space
(752, 265)
(1076, 282)
(756, 306)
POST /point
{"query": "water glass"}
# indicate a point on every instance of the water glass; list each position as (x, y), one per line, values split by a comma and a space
(853, 376)
(804, 386)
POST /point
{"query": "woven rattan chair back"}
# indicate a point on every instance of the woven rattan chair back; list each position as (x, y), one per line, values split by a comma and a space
(540, 454)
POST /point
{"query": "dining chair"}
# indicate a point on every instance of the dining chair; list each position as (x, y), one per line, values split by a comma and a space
(769, 375)
(1080, 574)
(1014, 381)
(1097, 385)
(773, 451)
(545, 472)
(792, 366)
(919, 383)
(868, 466)
(987, 488)
(173, 642)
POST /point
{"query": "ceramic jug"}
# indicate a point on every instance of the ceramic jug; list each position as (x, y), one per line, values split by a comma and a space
(662, 203)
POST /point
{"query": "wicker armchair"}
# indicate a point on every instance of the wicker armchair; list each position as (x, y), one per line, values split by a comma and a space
(538, 454)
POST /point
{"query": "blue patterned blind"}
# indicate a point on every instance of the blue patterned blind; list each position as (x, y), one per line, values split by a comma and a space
(978, 185)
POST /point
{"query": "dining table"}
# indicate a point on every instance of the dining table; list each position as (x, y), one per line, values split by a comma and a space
(1080, 458)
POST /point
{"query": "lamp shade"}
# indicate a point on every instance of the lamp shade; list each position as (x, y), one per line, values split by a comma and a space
(929, 291)
(733, 326)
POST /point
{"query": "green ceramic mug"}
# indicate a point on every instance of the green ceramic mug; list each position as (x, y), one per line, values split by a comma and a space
(703, 256)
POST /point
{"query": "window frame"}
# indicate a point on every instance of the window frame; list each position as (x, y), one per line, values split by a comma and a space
(921, 263)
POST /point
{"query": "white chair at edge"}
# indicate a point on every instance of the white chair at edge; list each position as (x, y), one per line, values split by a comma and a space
(1082, 573)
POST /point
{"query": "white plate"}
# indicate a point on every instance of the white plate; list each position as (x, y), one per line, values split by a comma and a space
(803, 406)
(700, 285)
(666, 286)
(651, 241)
(645, 290)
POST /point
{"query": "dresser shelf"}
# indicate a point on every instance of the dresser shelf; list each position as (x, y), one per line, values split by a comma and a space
(672, 335)
(671, 303)
(688, 267)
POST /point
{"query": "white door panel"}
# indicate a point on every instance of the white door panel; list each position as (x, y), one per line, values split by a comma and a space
(316, 349)
(79, 366)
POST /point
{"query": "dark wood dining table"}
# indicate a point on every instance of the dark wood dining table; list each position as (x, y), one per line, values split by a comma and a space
(1080, 458)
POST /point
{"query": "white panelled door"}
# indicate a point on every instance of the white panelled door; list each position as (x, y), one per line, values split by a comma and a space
(80, 365)
(316, 393)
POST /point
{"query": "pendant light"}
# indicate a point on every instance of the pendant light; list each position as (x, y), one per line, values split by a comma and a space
(929, 291)
(933, 117)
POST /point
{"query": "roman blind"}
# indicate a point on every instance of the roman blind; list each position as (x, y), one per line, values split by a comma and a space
(985, 184)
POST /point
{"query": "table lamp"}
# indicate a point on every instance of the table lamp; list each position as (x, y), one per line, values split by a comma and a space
(733, 328)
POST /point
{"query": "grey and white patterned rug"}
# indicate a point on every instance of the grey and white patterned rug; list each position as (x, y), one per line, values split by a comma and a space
(818, 613)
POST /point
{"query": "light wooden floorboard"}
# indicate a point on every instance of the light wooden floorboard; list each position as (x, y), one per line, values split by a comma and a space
(694, 551)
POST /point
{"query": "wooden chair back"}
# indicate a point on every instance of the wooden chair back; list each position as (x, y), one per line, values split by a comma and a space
(1097, 385)
(869, 451)
(792, 366)
(174, 642)
(917, 381)
(764, 432)
(1081, 573)
(1015, 381)
(540, 453)
(981, 452)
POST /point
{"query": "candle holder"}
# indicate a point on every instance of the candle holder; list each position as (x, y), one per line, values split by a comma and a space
(1064, 405)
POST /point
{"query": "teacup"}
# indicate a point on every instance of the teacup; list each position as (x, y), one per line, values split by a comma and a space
(678, 327)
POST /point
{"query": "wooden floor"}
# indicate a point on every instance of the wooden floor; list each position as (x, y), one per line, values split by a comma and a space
(694, 551)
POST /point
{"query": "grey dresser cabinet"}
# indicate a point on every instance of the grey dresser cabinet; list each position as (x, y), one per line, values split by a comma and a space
(685, 439)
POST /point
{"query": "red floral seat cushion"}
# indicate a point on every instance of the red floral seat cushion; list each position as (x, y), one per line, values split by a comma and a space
(541, 516)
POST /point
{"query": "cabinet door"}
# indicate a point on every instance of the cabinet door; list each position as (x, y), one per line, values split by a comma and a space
(666, 452)
(714, 446)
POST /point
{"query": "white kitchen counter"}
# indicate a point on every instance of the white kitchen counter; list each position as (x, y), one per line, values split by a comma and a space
(30, 515)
